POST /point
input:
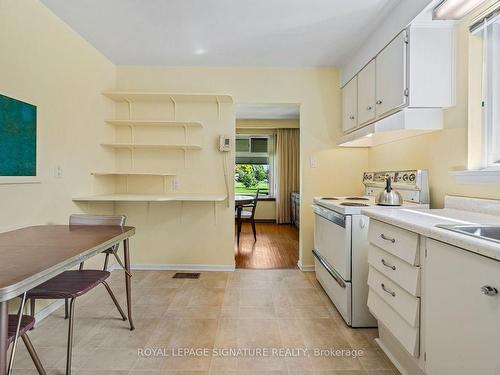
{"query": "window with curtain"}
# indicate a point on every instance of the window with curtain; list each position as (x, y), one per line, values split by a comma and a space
(254, 164)
(487, 31)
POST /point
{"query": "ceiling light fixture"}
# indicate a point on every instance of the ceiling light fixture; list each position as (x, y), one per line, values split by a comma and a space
(454, 9)
(200, 51)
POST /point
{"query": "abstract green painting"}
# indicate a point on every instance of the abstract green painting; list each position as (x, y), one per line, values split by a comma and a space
(17, 138)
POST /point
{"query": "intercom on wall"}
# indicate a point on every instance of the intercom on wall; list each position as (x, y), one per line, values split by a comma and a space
(224, 143)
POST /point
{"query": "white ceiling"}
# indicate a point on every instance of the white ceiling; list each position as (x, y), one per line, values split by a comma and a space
(224, 32)
(249, 111)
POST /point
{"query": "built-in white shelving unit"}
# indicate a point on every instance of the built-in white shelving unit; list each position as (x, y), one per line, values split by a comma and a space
(152, 198)
(133, 146)
(133, 174)
(143, 127)
(125, 96)
(189, 124)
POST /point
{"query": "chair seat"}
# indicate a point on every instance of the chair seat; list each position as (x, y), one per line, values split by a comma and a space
(245, 215)
(69, 284)
(27, 322)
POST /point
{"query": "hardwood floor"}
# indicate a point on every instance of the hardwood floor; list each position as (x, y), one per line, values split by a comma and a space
(277, 246)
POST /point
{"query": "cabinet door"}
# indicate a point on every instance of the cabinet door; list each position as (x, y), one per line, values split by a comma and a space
(366, 94)
(390, 73)
(462, 333)
(350, 105)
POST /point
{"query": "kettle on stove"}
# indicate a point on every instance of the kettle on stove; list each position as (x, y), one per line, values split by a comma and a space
(389, 196)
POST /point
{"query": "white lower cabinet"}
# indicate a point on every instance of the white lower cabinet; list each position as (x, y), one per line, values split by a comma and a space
(462, 314)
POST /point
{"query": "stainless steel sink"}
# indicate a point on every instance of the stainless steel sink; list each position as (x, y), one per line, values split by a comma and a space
(485, 232)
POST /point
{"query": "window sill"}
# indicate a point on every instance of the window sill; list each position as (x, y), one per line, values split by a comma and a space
(264, 199)
(479, 176)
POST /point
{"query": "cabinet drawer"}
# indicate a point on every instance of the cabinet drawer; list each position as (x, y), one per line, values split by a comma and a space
(401, 301)
(407, 335)
(402, 273)
(399, 242)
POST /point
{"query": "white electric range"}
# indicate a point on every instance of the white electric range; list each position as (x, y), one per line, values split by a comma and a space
(341, 239)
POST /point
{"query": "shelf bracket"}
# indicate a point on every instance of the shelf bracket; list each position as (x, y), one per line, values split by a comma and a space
(132, 166)
(182, 212)
(215, 212)
(129, 108)
(175, 107)
(185, 134)
(218, 107)
(131, 133)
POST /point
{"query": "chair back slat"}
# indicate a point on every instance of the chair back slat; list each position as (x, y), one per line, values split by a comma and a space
(254, 203)
(82, 219)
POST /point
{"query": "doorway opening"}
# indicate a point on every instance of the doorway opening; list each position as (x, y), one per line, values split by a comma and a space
(267, 185)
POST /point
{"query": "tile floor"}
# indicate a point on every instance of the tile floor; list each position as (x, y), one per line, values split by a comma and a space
(245, 309)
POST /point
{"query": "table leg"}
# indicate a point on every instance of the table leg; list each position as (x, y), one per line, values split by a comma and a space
(128, 286)
(4, 332)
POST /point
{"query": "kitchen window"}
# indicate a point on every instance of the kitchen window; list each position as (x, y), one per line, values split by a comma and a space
(255, 164)
(484, 99)
(488, 30)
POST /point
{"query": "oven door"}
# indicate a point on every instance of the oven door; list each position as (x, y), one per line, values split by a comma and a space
(332, 239)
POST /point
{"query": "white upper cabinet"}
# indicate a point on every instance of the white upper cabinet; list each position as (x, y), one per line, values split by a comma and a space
(350, 105)
(415, 70)
(462, 312)
(390, 73)
(366, 94)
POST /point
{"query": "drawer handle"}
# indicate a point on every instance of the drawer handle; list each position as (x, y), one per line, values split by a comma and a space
(388, 265)
(384, 237)
(387, 290)
(489, 290)
(378, 102)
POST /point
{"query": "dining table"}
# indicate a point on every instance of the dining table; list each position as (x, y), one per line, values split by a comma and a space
(32, 255)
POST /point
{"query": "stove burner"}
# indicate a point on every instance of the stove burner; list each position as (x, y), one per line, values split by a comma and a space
(329, 199)
(357, 199)
(352, 204)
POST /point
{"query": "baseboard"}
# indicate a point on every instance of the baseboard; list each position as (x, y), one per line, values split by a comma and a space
(304, 268)
(183, 267)
(47, 310)
(392, 358)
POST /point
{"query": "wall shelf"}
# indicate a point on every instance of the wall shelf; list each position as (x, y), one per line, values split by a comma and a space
(134, 146)
(133, 174)
(191, 124)
(131, 96)
(152, 198)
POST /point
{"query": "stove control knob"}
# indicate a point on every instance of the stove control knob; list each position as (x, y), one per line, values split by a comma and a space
(412, 177)
(405, 177)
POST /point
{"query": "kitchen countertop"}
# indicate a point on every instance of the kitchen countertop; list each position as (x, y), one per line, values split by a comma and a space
(424, 221)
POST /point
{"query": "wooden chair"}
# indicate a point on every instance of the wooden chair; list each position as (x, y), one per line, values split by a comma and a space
(248, 216)
(27, 323)
(72, 284)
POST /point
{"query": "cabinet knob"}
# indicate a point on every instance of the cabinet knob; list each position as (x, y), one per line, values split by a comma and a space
(369, 108)
(351, 117)
(489, 290)
(379, 102)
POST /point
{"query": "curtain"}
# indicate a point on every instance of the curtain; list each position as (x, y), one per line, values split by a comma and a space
(287, 171)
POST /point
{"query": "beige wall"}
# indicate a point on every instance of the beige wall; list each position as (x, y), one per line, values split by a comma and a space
(315, 90)
(45, 63)
(444, 151)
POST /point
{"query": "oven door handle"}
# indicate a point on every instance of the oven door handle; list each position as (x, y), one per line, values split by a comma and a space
(330, 269)
(329, 215)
